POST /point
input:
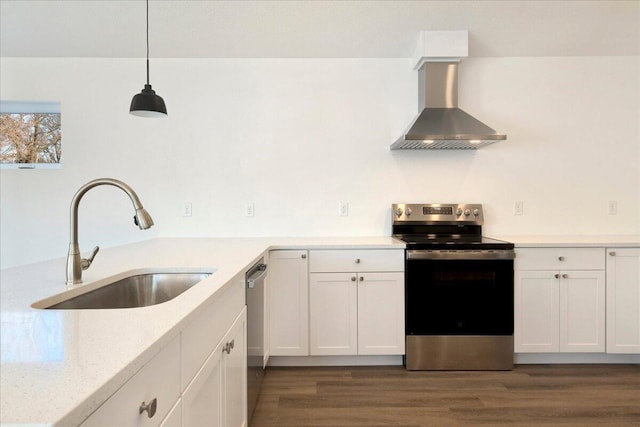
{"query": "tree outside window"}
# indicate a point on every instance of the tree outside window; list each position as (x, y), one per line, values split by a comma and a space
(30, 134)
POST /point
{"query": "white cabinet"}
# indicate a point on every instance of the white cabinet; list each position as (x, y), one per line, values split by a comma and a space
(234, 375)
(174, 419)
(623, 300)
(356, 302)
(156, 385)
(201, 400)
(288, 296)
(217, 394)
(559, 300)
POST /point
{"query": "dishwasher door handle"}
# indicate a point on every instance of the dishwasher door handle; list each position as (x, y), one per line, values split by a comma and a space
(258, 274)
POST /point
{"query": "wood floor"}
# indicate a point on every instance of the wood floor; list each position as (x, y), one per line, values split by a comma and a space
(531, 395)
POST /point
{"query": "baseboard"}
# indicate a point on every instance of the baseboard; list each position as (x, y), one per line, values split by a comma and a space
(335, 361)
(577, 358)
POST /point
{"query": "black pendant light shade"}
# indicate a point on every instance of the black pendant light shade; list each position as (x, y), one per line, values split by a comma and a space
(147, 103)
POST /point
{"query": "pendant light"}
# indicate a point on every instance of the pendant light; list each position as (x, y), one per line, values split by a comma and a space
(147, 103)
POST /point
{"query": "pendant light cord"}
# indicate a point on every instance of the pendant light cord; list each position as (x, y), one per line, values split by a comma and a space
(147, 42)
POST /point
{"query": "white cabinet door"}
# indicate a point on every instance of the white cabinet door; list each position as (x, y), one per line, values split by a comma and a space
(537, 314)
(623, 300)
(381, 313)
(202, 400)
(174, 419)
(333, 320)
(217, 394)
(234, 375)
(288, 285)
(582, 311)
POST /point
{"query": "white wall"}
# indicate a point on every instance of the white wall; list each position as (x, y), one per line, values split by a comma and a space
(298, 136)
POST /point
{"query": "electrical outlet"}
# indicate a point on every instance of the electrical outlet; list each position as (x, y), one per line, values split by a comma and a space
(518, 208)
(613, 207)
(250, 209)
(187, 209)
(344, 208)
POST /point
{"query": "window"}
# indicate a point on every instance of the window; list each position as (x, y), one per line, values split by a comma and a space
(30, 135)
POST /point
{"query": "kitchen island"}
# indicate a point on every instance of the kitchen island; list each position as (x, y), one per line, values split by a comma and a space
(59, 366)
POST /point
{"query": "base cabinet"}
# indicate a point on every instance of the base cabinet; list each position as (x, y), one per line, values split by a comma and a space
(623, 300)
(559, 310)
(217, 394)
(234, 376)
(356, 312)
(288, 295)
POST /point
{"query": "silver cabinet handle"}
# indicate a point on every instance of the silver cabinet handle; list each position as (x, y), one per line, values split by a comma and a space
(149, 408)
(560, 258)
(303, 256)
(229, 346)
(357, 260)
(612, 253)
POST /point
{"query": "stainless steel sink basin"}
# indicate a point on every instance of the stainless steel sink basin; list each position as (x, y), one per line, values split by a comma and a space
(140, 290)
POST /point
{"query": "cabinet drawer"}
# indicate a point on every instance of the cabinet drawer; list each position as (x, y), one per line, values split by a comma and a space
(201, 336)
(159, 379)
(560, 259)
(358, 260)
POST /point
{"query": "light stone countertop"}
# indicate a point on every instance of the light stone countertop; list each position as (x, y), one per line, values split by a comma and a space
(58, 366)
(574, 241)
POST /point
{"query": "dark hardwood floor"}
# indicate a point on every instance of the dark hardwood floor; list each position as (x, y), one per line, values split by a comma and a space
(551, 395)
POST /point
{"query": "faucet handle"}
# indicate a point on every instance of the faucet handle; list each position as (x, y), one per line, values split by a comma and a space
(86, 262)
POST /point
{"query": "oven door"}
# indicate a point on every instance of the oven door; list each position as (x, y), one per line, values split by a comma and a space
(458, 296)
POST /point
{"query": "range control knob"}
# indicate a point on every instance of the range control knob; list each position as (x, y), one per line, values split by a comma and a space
(458, 212)
(476, 212)
(467, 212)
(399, 212)
(407, 211)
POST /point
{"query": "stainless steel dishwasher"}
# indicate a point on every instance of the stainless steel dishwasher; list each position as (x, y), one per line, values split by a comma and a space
(255, 291)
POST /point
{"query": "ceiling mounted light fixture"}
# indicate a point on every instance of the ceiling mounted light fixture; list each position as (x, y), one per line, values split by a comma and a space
(147, 103)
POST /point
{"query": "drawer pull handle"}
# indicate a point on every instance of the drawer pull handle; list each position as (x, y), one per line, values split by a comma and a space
(357, 260)
(612, 253)
(565, 276)
(557, 276)
(149, 408)
(560, 258)
(353, 278)
(303, 256)
(362, 278)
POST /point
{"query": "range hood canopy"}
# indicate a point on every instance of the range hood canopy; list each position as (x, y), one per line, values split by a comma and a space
(441, 124)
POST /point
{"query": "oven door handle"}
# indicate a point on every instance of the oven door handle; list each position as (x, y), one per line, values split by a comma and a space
(461, 255)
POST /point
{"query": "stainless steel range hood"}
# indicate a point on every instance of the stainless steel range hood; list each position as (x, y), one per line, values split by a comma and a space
(441, 124)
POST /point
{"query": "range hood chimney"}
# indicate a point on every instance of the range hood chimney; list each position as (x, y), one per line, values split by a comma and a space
(441, 124)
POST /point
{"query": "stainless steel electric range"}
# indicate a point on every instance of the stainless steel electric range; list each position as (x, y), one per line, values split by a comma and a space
(458, 289)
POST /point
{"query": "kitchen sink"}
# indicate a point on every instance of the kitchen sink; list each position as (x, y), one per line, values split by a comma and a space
(139, 290)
